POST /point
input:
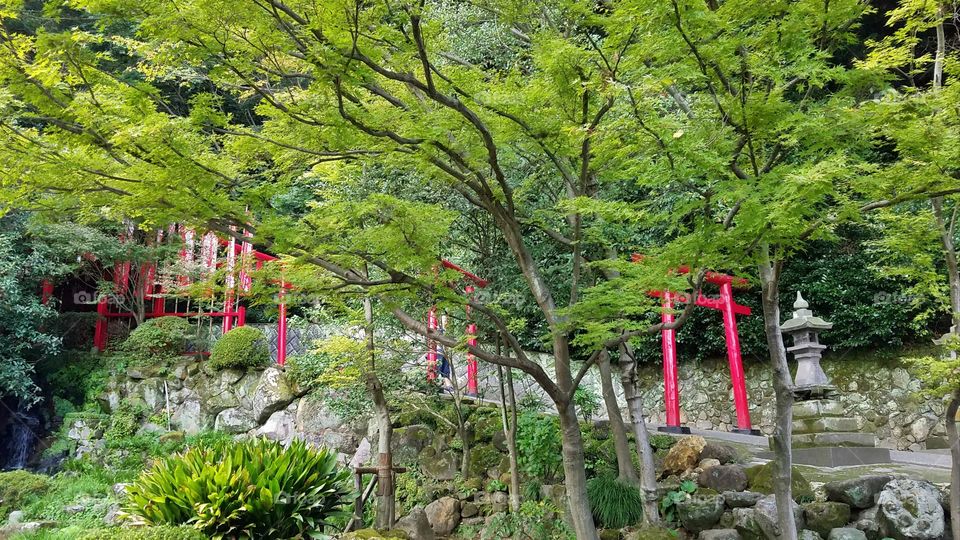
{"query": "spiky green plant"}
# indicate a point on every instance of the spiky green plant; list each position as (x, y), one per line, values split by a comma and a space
(614, 504)
(251, 489)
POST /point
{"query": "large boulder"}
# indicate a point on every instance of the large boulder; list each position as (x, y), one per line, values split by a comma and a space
(274, 393)
(807, 534)
(860, 492)
(741, 499)
(823, 517)
(443, 515)
(416, 525)
(279, 427)
(846, 533)
(190, 417)
(910, 510)
(407, 442)
(765, 513)
(724, 453)
(684, 455)
(234, 421)
(720, 534)
(745, 522)
(217, 389)
(868, 521)
(439, 465)
(760, 478)
(314, 418)
(700, 513)
(724, 478)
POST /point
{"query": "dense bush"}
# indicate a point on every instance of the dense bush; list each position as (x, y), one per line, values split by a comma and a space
(241, 348)
(539, 453)
(534, 521)
(614, 504)
(157, 340)
(125, 421)
(76, 376)
(18, 487)
(587, 402)
(252, 489)
(163, 532)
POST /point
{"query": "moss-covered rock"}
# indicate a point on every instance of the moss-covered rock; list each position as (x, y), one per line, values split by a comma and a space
(650, 533)
(486, 427)
(609, 534)
(822, 517)
(373, 534)
(407, 442)
(163, 532)
(441, 466)
(483, 457)
(760, 479)
(700, 513)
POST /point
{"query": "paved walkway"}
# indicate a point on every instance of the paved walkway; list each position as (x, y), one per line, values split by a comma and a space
(757, 445)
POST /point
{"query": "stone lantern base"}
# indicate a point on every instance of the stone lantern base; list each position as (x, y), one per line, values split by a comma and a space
(824, 436)
(822, 423)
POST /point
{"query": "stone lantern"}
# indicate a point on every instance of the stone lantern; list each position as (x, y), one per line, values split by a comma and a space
(823, 433)
(805, 329)
(946, 340)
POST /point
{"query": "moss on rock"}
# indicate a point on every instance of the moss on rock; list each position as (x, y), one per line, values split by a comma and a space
(760, 479)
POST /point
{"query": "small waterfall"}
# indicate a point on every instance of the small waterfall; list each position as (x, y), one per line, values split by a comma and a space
(22, 434)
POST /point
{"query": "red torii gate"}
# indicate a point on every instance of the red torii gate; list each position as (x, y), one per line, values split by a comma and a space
(433, 325)
(233, 313)
(668, 339)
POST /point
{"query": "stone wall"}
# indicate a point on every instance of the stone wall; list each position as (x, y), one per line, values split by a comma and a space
(881, 394)
(260, 402)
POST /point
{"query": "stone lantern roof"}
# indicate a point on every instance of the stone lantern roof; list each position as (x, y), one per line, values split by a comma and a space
(803, 318)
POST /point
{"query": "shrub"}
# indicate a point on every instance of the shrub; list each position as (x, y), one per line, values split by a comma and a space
(241, 348)
(535, 521)
(538, 446)
(18, 487)
(587, 402)
(614, 504)
(532, 490)
(125, 421)
(668, 504)
(163, 532)
(162, 337)
(74, 378)
(253, 489)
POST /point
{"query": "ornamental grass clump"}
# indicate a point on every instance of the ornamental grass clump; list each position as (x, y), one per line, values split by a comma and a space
(254, 489)
(615, 504)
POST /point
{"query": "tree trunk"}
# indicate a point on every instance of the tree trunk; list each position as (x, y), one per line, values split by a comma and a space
(386, 502)
(625, 469)
(508, 416)
(941, 50)
(947, 229)
(575, 477)
(954, 441)
(783, 387)
(648, 473)
(462, 432)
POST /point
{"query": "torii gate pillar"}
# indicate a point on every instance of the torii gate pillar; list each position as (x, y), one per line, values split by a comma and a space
(668, 337)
